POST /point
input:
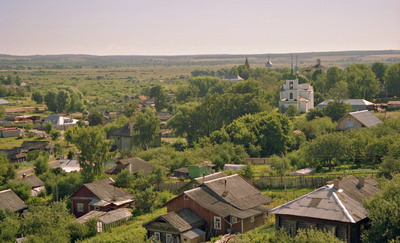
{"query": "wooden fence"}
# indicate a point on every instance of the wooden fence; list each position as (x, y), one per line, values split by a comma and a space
(171, 186)
(315, 181)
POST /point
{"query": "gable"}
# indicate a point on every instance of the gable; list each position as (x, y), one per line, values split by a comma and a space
(83, 191)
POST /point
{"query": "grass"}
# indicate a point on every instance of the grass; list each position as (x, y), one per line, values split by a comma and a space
(8, 143)
(280, 196)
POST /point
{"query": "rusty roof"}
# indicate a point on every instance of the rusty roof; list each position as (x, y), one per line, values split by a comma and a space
(344, 204)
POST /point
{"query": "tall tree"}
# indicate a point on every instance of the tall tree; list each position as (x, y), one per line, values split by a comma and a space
(63, 99)
(160, 98)
(50, 101)
(379, 68)
(333, 76)
(146, 128)
(37, 97)
(7, 171)
(392, 80)
(363, 83)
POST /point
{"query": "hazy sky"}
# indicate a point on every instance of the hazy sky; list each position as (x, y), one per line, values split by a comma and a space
(176, 27)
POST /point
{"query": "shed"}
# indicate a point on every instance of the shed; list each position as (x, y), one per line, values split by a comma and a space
(181, 172)
(107, 220)
(234, 167)
(11, 202)
(203, 168)
(8, 132)
(358, 119)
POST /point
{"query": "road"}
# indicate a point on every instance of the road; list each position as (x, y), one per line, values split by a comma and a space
(52, 164)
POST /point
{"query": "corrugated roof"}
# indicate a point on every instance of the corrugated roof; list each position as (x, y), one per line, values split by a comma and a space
(10, 201)
(343, 205)
(33, 181)
(367, 118)
(136, 165)
(209, 177)
(108, 193)
(124, 131)
(106, 217)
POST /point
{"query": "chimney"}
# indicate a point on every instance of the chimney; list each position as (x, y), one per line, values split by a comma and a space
(336, 184)
(204, 177)
(361, 181)
(225, 193)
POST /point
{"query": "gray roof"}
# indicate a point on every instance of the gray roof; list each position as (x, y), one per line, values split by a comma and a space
(352, 102)
(209, 177)
(367, 118)
(33, 181)
(31, 145)
(238, 198)
(10, 201)
(4, 102)
(182, 220)
(194, 233)
(135, 163)
(125, 131)
(344, 205)
(106, 217)
(109, 194)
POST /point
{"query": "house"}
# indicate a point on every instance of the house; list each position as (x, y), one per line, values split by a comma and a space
(174, 227)
(232, 78)
(69, 165)
(60, 121)
(35, 182)
(358, 119)
(123, 137)
(18, 154)
(8, 132)
(182, 172)
(299, 95)
(199, 169)
(302, 172)
(393, 105)
(334, 207)
(234, 167)
(164, 117)
(356, 104)
(134, 165)
(101, 196)
(4, 102)
(106, 220)
(226, 204)
(11, 202)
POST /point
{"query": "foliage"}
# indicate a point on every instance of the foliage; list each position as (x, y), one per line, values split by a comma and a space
(55, 134)
(379, 68)
(306, 236)
(64, 99)
(383, 211)
(147, 200)
(125, 179)
(392, 80)
(160, 98)
(363, 83)
(7, 171)
(280, 165)
(9, 225)
(336, 110)
(21, 188)
(316, 127)
(146, 128)
(292, 111)
(37, 97)
(95, 118)
(389, 167)
(41, 165)
(48, 127)
(247, 172)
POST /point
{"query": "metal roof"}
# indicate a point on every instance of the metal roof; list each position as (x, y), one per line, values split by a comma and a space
(109, 194)
(106, 217)
(352, 102)
(10, 201)
(365, 117)
(344, 204)
(209, 177)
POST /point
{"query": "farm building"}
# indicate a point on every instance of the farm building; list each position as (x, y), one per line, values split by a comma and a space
(173, 227)
(11, 202)
(226, 204)
(182, 172)
(60, 121)
(199, 169)
(107, 220)
(35, 182)
(358, 119)
(335, 207)
(299, 95)
(393, 105)
(356, 104)
(8, 132)
(134, 165)
(100, 196)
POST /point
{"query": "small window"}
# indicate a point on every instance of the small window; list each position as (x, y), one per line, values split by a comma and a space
(291, 85)
(291, 96)
(79, 207)
(185, 197)
(252, 219)
(217, 223)
(97, 208)
(233, 220)
(168, 238)
(265, 215)
(157, 236)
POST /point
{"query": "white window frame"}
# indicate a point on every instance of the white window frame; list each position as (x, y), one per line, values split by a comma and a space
(217, 223)
(252, 219)
(157, 236)
(234, 220)
(168, 238)
(80, 208)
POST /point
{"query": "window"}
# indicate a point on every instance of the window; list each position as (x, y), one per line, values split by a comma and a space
(99, 227)
(233, 220)
(217, 222)
(292, 228)
(168, 238)
(291, 85)
(185, 197)
(79, 207)
(97, 208)
(252, 219)
(157, 236)
(291, 96)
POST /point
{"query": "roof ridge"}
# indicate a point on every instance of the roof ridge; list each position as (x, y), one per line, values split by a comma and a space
(344, 210)
(220, 178)
(6, 190)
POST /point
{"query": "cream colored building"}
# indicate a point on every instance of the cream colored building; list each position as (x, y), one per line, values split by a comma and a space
(299, 95)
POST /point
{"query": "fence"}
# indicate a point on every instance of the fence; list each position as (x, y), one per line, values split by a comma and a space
(171, 186)
(299, 181)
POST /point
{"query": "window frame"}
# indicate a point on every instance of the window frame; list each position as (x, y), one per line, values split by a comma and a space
(185, 197)
(234, 220)
(217, 222)
(252, 219)
(166, 238)
(157, 236)
(80, 207)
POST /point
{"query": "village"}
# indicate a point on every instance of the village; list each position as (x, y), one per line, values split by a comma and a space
(240, 154)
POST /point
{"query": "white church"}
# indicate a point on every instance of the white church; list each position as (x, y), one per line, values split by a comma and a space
(299, 95)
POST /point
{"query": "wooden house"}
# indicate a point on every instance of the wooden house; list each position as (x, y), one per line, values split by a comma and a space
(227, 204)
(11, 202)
(8, 132)
(134, 165)
(100, 196)
(174, 227)
(335, 207)
(358, 119)
(36, 184)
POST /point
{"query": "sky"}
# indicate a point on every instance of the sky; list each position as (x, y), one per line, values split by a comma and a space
(186, 27)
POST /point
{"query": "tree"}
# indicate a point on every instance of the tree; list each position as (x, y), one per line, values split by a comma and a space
(147, 200)
(333, 76)
(37, 97)
(41, 165)
(146, 128)
(383, 212)
(292, 111)
(314, 113)
(63, 99)
(21, 188)
(48, 127)
(379, 68)
(50, 101)
(339, 91)
(247, 172)
(280, 165)
(55, 134)
(95, 118)
(392, 80)
(363, 83)
(336, 110)
(389, 167)
(130, 108)
(160, 98)
(94, 150)
(124, 179)
(7, 170)
(2, 111)
(9, 226)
